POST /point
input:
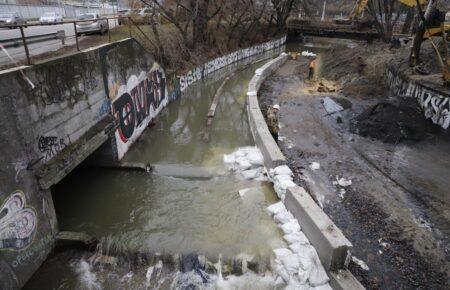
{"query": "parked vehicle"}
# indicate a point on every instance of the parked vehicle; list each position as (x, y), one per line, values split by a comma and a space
(123, 14)
(91, 22)
(51, 18)
(13, 19)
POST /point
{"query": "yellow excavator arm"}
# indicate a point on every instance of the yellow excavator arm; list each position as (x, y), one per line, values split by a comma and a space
(358, 9)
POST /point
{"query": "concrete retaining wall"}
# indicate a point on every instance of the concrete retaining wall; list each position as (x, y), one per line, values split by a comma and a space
(332, 246)
(55, 114)
(435, 102)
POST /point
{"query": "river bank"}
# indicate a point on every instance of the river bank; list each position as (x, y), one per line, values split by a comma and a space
(396, 221)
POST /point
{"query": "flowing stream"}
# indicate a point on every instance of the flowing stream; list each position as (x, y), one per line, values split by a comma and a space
(190, 204)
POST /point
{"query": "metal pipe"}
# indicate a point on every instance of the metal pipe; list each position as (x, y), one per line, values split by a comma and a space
(27, 53)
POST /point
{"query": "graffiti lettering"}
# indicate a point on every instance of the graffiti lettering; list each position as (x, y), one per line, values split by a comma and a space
(50, 146)
(202, 71)
(435, 106)
(134, 109)
(17, 222)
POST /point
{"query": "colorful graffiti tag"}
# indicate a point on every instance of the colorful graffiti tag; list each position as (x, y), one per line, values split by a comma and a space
(17, 222)
(136, 104)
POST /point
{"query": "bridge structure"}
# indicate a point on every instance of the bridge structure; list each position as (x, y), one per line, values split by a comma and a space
(300, 27)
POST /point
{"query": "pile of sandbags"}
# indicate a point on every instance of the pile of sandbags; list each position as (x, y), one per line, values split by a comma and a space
(298, 265)
(248, 162)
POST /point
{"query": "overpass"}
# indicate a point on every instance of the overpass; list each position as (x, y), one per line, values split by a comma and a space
(299, 27)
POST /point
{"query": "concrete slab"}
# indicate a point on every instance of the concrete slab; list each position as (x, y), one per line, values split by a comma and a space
(344, 280)
(331, 244)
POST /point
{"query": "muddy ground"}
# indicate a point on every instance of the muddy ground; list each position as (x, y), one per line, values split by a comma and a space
(396, 211)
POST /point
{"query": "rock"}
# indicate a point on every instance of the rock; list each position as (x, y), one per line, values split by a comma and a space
(331, 106)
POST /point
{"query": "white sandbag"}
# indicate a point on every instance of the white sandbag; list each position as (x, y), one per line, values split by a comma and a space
(255, 158)
(282, 170)
(317, 275)
(298, 237)
(281, 271)
(297, 247)
(281, 252)
(290, 227)
(281, 178)
(302, 276)
(306, 256)
(283, 217)
(243, 164)
(229, 158)
(276, 208)
(251, 173)
(291, 263)
(322, 287)
(280, 187)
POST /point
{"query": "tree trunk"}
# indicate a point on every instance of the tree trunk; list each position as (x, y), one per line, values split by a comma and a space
(434, 16)
(200, 28)
(408, 21)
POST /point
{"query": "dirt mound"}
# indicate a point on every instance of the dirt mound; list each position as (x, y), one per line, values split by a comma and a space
(394, 122)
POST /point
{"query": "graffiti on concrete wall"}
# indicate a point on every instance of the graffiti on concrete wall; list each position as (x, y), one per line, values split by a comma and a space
(17, 222)
(204, 70)
(49, 146)
(135, 104)
(435, 106)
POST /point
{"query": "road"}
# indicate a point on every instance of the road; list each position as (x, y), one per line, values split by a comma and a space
(41, 47)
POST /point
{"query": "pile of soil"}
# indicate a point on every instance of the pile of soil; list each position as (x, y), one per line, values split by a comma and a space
(393, 122)
(358, 69)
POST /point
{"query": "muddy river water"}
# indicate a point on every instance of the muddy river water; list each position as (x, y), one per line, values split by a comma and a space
(190, 204)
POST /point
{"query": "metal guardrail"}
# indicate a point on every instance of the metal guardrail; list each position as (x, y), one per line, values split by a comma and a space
(18, 41)
(25, 40)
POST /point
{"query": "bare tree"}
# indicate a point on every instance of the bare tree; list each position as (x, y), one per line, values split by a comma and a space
(385, 14)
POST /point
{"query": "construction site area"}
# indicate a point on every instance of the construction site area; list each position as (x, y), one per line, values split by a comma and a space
(212, 144)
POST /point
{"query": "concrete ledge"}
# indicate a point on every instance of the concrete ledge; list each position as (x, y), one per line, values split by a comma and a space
(331, 244)
(344, 280)
(273, 156)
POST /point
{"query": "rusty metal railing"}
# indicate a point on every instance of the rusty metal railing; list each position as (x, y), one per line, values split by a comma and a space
(26, 40)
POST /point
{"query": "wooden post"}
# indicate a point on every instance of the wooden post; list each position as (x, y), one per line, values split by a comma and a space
(27, 53)
(109, 30)
(76, 34)
(129, 25)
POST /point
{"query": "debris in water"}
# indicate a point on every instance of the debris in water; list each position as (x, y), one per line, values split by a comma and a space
(360, 263)
(314, 165)
(342, 182)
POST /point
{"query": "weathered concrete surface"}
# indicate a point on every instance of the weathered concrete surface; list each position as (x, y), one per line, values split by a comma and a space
(344, 280)
(263, 139)
(331, 244)
(433, 98)
(53, 115)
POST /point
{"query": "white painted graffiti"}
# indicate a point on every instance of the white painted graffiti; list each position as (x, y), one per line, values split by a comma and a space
(17, 222)
(211, 66)
(435, 106)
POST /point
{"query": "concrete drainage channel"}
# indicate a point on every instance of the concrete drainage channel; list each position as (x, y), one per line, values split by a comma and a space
(332, 246)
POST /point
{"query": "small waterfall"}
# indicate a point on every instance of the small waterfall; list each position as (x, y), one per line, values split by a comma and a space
(86, 277)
